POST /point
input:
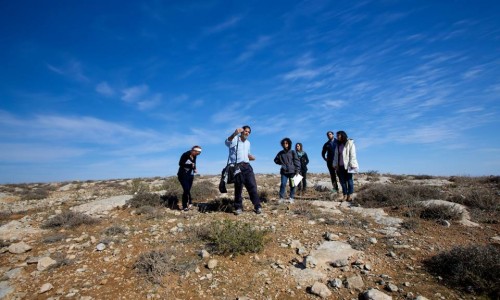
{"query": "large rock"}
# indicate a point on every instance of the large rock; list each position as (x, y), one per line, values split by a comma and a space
(18, 248)
(17, 230)
(321, 290)
(465, 216)
(102, 206)
(331, 251)
(44, 263)
(373, 294)
(307, 277)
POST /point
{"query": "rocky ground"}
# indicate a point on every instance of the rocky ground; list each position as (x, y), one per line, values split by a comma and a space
(316, 247)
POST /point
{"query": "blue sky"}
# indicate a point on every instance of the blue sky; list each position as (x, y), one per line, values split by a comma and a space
(120, 89)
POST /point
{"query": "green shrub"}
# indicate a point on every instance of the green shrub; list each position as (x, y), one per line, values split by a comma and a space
(203, 190)
(440, 212)
(137, 186)
(172, 186)
(69, 219)
(233, 238)
(145, 199)
(473, 268)
(422, 177)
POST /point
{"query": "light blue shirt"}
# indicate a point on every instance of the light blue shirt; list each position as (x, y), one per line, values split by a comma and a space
(243, 150)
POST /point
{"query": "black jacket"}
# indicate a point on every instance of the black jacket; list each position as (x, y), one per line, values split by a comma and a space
(329, 150)
(186, 164)
(289, 161)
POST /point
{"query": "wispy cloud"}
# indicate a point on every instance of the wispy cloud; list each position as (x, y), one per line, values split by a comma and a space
(226, 25)
(252, 49)
(141, 97)
(72, 69)
(105, 89)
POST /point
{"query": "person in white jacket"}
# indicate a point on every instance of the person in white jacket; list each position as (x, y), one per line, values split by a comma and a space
(345, 163)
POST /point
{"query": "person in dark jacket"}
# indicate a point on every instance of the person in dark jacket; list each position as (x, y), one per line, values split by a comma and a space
(304, 160)
(329, 150)
(187, 169)
(290, 166)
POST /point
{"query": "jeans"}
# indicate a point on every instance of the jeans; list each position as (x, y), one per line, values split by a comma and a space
(346, 180)
(186, 181)
(247, 179)
(331, 169)
(284, 179)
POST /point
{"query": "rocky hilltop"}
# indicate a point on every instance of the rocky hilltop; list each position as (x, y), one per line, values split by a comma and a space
(126, 239)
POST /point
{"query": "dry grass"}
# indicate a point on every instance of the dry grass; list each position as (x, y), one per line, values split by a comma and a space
(69, 219)
(145, 199)
(473, 269)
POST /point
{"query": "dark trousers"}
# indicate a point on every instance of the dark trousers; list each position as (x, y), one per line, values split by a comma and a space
(303, 183)
(346, 181)
(247, 179)
(331, 169)
(186, 181)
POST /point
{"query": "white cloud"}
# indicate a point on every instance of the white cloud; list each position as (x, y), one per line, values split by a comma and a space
(229, 23)
(105, 89)
(262, 42)
(135, 93)
(333, 104)
(151, 103)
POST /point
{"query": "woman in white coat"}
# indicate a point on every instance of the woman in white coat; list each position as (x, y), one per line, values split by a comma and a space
(345, 163)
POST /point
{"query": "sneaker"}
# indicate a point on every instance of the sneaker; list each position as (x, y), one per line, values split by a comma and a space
(258, 211)
(334, 190)
(185, 209)
(190, 206)
(238, 212)
(281, 201)
(291, 200)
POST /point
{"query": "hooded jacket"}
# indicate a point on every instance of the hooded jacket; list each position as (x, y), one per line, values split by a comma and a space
(289, 161)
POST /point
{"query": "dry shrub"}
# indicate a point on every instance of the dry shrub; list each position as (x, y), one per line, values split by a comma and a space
(115, 230)
(473, 268)
(383, 195)
(203, 190)
(359, 244)
(264, 195)
(154, 265)
(233, 238)
(145, 199)
(372, 175)
(35, 193)
(172, 186)
(54, 238)
(440, 212)
(157, 263)
(307, 210)
(410, 224)
(422, 177)
(137, 186)
(69, 219)
(217, 205)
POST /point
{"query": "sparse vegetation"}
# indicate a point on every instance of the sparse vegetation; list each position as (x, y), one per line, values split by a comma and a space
(35, 193)
(54, 238)
(69, 219)
(382, 195)
(472, 268)
(137, 186)
(220, 204)
(145, 199)
(372, 175)
(155, 264)
(203, 190)
(440, 212)
(115, 230)
(233, 238)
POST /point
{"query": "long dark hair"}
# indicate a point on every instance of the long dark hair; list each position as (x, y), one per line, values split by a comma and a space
(289, 143)
(299, 144)
(343, 136)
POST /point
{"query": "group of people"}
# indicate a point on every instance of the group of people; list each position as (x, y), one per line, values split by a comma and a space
(339, 154)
